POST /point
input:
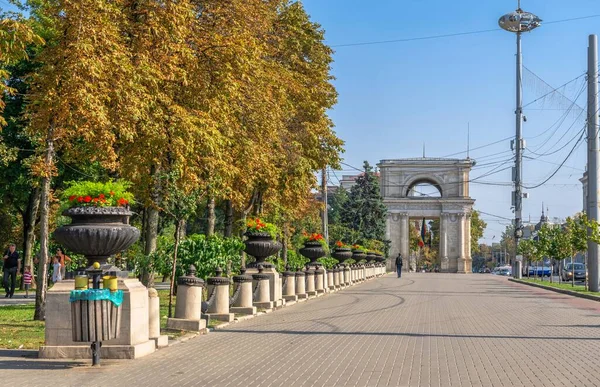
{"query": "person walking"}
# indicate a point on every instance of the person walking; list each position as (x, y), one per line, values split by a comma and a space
(399, 265)
(27, 278)
(11, 268)
(56, 273)
(62, 259)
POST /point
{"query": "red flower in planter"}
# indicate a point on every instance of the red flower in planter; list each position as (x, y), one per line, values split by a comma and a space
(72, 197)
(80, 199)
(87, 199)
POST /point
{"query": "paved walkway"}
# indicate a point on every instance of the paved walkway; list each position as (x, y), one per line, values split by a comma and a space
(421, 330)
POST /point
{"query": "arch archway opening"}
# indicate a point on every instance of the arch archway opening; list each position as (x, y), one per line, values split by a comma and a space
(424, 188)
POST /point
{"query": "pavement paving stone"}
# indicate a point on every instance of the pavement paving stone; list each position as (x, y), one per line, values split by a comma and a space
(425, 329)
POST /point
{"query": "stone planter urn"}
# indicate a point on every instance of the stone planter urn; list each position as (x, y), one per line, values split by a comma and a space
(358, 255)
(261, 245)
(371, 256)
(313, 250)
(97, 232)
(379, 258)
(342, 254)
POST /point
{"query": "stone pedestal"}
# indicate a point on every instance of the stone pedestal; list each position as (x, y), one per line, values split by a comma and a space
(289, 286)
(242, 298)
(347, 281)
(330, 280)
(218, 302)
(133, 341)
(188, 308)
(320, 280)
(301, 285)
(336, 277)
(310, 283)
(154, 320)
(262, 292)
(274, 284)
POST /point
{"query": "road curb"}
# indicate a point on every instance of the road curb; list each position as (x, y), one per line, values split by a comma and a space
(562, 291)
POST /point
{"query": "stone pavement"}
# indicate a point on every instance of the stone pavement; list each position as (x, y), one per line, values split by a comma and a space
(421, 330)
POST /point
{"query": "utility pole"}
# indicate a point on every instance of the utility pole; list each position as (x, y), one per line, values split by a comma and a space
(593, 125)
(518, 22)
(324, 197)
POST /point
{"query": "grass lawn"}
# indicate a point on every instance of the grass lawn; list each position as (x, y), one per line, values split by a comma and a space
(566, 286)
(17, 328)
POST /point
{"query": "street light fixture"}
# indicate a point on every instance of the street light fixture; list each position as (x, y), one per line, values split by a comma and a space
(518, 22)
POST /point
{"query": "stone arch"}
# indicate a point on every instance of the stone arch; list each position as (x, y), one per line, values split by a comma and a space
(451, 178)
(420, 179)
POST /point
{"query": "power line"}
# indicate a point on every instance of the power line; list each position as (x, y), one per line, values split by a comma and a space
(579, 142)
(431, 37)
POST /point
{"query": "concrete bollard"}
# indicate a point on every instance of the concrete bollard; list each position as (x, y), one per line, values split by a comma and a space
(154, 320)
(241, 301)
(310, 283)
(346, 275)
(189, 303)
(320, 280)
(330, 282)
(218, 300)
(301, 285)
(289, 286)
(262, 290)
(336, 277)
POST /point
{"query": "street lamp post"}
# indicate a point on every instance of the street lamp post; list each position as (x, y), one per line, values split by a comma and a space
(518, 22)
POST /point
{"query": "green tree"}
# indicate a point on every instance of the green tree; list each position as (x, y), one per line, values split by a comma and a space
(529, 249)
(365, 211)
(477, 228)
(577, 232)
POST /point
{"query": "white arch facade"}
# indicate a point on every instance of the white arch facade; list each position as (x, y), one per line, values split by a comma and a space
(453, 208)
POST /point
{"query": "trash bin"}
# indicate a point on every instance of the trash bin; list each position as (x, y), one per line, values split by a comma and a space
(96, 314)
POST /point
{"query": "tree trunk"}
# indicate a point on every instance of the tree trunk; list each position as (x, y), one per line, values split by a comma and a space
(284, 249)
(180, 225)
(228, 232)
(210, 215)
(42, 272)
(29, 223)
(151, 235)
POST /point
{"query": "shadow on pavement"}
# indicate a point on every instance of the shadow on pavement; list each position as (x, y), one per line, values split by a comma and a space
(408, 334)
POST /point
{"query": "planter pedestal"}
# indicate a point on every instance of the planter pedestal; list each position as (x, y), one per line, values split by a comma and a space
(133, 341)
(274, 284)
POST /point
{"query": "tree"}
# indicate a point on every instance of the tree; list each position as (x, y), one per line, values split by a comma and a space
(507, 241)
(529, 249)
(336, 204)
(577, 232)
(477, 228)
(365, 211)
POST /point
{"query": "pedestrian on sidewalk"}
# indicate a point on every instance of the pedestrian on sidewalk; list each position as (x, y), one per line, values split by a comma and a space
(399, 265)
(27, 278)
(62, 258)
(56, 274)
(11, 268)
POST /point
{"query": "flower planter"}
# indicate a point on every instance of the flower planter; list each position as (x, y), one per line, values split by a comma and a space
(370, 257)
(97, 232)
(342, 254)
(261, 245)
(313, 250)
(358, 255)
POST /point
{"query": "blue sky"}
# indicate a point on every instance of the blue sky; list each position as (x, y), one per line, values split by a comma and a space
(394, 97)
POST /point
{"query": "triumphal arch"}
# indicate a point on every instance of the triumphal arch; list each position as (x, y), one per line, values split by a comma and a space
(400, 181)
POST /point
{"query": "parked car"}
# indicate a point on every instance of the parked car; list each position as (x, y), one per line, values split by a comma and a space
(505, 271)
(577, 269)
(538, 271)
